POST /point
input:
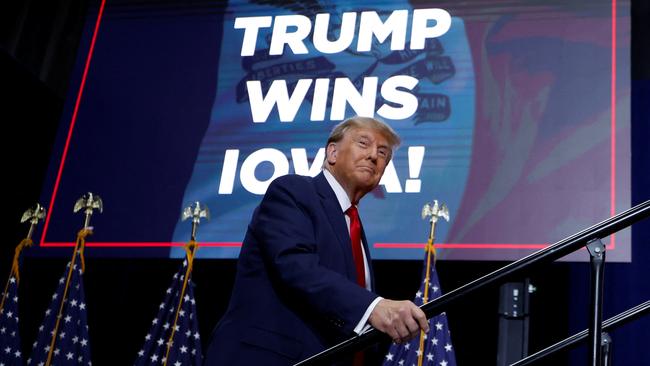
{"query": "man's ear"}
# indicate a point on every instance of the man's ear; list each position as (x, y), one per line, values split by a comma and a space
(331, 152)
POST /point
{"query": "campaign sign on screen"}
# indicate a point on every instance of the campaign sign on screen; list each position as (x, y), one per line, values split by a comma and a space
(515, 118)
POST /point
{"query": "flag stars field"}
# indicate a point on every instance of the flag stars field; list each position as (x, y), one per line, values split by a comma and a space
(432, 353)
(68, 328)
(174, 335)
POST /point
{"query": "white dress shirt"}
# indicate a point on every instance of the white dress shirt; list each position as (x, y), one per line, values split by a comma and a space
(345, 203)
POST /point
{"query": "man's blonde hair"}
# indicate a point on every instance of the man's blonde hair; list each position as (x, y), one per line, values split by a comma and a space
(364, 122)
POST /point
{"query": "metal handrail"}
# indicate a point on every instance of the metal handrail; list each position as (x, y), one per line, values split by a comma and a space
(609, 324)
(443, 303)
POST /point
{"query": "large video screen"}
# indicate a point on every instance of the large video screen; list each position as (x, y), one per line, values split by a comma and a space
(516, 115)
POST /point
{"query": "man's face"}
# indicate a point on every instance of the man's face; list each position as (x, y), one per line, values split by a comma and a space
(359, 159)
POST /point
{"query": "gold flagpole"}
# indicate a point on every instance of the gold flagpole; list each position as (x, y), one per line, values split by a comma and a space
(434, 211)
(196, 213)
(89, 202)
(33, 215)
(430, 252)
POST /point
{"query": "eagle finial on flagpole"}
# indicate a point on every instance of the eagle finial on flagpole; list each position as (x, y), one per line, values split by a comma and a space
(434, 211)
(89, 202)
(33, 215)
(196, 211)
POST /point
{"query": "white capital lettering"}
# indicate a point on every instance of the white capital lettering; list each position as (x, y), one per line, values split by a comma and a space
(261, 106)
(251, 26)
(345, 92)
(346, 34)
(371, 25)
(294, 40)
(419, 29)
(247, 174)
(390, 93)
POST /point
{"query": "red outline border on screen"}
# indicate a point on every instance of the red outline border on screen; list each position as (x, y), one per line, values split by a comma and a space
(73, 120)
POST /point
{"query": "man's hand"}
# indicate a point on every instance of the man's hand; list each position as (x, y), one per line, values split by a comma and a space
(401, 320)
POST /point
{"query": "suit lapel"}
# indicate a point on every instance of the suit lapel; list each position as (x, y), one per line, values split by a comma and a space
(337, 220)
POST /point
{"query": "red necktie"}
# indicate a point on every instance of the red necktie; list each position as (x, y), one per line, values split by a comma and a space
(355, 238)
(357, 254)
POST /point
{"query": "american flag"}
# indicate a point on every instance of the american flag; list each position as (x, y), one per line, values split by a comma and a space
(184, 346)
(437, 349)
(64, 342)
(9, 334)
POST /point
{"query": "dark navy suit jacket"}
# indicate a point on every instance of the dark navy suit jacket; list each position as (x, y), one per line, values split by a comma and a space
(295, 291)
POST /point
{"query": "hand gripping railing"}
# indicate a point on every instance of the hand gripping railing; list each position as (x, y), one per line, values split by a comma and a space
(444, 302)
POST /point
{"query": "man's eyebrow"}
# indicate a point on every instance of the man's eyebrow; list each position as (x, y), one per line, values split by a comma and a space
(367, 136)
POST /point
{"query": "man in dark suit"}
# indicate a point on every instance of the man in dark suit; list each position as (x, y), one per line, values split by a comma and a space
(304, 276)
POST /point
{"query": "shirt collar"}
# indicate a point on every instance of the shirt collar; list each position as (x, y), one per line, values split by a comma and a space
(340, 193)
